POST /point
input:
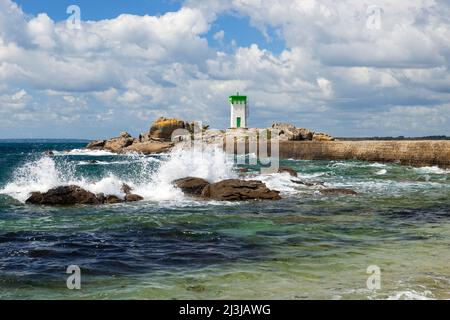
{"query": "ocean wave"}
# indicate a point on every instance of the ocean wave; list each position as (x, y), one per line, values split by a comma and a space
(96, 162)
(152, 179)
(431, 170)
(355, 164)
(85, 152)
(411, 295)
(381, 172)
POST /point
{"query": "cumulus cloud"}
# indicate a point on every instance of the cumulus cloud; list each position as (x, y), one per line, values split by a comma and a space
(343, 67)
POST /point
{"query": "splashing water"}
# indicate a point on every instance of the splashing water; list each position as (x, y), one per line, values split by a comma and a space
(151, 178)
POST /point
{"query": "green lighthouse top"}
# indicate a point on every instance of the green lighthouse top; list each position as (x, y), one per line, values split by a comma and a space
(238, 99)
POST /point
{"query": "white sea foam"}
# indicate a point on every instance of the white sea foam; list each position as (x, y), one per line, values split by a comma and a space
(431, 170)
(411, 295)
(381, 172)
(278, 181)
(85, 152)
(105, 163)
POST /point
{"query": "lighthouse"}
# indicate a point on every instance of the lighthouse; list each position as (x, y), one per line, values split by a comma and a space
(239, 111)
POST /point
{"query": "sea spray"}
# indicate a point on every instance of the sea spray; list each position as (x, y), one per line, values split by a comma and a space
(210, 163)
(38, 175)
(149, 177)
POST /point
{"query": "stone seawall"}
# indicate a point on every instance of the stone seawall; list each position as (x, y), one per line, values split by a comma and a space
(414, 153)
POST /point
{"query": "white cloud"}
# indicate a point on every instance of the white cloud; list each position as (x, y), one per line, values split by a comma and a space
(219, 36)
(334, 74)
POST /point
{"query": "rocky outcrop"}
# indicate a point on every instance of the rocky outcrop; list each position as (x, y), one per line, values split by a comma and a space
(65, 195)
(238, 190)
(72, 195)
(119, 143)
(163, 128)
(291, 133)
(112, 199)
(150, 147)
(157, 140)
(133, 197)
(191, 186)
(96, 145)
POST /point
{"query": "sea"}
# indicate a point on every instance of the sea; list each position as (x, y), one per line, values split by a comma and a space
(390, 241)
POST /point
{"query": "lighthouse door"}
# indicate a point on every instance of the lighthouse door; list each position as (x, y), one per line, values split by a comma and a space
(238, 122)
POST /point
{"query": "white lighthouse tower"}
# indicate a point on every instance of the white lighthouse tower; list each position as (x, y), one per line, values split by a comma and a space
(239, 111)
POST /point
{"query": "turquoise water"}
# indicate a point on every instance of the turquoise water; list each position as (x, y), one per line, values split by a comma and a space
(306, 246)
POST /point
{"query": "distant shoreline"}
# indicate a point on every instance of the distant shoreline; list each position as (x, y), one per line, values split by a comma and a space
(400, 138)
(44, 140)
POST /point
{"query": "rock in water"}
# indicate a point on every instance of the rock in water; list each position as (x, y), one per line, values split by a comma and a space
(65, 195)
(119, 143)
(291, 171)
(96, 145)
(130, 197)
(150, 147)
(338, 191)
(163, 128)
(111, 199)
(235, 190)
(191, 186)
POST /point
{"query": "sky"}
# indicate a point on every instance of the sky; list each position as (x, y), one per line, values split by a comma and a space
(350, 67)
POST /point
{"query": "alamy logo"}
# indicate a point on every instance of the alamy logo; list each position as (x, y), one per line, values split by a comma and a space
(374, 280)
(74, 20)
(250, 146)
(74, 280)
(374, 14)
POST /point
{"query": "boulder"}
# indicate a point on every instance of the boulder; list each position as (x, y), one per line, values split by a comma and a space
(119, 143)
(236, 190)
(150, 147)
(291, 171)
(65, 195)
(191, 186)
(131, 197)
(163, 128)
(305, 134)
(338, 191)
(111, 199)
(97, 144)
(290, 132)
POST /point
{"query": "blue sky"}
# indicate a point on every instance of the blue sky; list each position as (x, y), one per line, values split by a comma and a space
(342, 67)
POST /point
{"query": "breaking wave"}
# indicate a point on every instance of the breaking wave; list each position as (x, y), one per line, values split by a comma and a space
(151, 178)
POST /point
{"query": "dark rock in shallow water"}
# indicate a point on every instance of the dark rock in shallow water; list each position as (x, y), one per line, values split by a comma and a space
(191, 186)
(338, 191)
(130, 197)
(113, 199)
(49, 153)
(236, 190)
(65, 195)
(291, 171)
